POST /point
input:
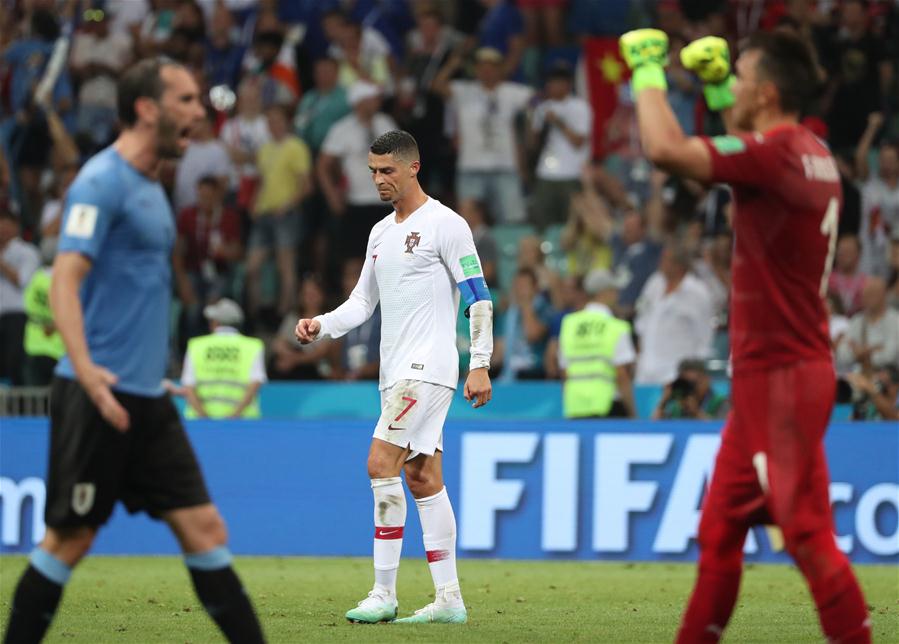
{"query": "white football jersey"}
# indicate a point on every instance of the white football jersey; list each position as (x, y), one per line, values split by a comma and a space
(415, 269)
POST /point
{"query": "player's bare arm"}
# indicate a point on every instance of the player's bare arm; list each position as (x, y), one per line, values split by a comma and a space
(69, 271)
(663, 139)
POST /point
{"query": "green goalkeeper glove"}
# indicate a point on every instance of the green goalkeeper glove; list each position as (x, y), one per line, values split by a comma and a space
(646, 53)
(709, 59)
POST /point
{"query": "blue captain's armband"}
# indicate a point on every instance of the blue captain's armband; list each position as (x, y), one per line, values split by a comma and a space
(474, 289)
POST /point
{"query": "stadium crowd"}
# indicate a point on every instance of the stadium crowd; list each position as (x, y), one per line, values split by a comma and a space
(526, 128)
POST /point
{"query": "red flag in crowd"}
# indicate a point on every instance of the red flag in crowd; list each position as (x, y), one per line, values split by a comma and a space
(605, 72)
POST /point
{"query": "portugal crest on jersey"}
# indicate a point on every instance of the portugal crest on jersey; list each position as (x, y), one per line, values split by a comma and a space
(412, 240)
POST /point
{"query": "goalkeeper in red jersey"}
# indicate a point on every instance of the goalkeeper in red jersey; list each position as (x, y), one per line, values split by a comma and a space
(771, 466)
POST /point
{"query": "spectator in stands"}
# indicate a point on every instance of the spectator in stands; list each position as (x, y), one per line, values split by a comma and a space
(98, 56)
(572, 297)
(244, 134)
(893, 281)
(361, 52)
(544, 21)
(713, 269)
(880, 199)
(279, 82)
(359, 350)
(684, 87)
(560, 132)
(207, 249)
(875, 397)
(872, 340)
(291, 360)
(127, 16)
(596, 355)
(847, 281)
(422, 111)
(531, 257)
(675, 318)
(223, 58)
(345, 152)
(223, 371)
(837, 322)
(486, 109)
(18, 262)
(24, 136)
(522, 344)
(206, 156)
(860, 74)
(475, 214)
(285, 170)
(635, 258)
(690, 395)
(502, 29)
(585, 237)
(322, 106)
(43, 345)
(51, 215)
(156, 27)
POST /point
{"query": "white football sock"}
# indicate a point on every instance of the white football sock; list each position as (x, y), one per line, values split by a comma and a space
(438, 525)
(390, 518)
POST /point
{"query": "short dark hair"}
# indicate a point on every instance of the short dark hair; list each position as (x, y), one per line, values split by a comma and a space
(525, 271)
(788, 62)
(399, 143)
(141, 80)
(44, 25)
(281, 108)
(209, 180)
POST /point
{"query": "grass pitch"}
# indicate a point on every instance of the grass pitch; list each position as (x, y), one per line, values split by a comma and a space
(150, 599)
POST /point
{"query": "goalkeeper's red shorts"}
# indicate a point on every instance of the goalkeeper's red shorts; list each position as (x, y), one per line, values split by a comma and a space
(771, 466)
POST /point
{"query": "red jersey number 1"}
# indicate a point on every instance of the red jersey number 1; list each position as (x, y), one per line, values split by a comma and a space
(829, 227)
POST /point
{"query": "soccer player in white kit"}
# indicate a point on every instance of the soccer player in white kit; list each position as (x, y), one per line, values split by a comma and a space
(419, 259)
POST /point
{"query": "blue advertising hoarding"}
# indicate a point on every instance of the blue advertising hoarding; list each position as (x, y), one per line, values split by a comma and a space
(522, 490)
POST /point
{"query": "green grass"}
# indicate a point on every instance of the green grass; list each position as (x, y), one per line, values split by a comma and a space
(149, 599)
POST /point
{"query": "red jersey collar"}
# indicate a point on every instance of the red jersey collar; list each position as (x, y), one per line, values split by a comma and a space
(780, 128)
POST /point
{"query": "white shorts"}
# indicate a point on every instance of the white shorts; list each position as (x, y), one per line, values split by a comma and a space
(412, 415)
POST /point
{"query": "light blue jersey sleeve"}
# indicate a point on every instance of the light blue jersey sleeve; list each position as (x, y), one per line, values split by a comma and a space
(91, 208)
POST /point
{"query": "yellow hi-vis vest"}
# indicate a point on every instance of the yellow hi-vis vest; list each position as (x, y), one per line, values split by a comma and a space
(587, 340)
(222, 366)
(36, 298)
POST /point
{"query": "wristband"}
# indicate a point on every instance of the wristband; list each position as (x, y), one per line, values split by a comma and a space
(720, 96)
(648, 75)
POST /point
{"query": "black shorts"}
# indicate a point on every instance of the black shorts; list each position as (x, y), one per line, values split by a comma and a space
(151, 467)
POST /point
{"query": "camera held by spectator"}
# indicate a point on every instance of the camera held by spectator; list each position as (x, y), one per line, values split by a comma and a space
(873, 397)
(690, 395)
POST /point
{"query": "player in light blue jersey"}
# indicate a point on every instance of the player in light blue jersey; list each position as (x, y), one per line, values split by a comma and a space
(114, 433)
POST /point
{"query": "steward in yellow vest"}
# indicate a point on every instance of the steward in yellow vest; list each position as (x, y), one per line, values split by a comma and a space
(596, 352)
(43, 344)
(224, 370)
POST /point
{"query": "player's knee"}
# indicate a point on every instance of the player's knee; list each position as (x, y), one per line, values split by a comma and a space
(69, 545)
(213, 530)
(380, 467)
(815, 552)
(422, 484)
(720, 543)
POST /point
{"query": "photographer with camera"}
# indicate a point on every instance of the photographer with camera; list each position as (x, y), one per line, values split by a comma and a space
(875, 397)
(690, 395)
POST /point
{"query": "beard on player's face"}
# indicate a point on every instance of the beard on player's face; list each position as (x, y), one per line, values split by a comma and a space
(167, 139)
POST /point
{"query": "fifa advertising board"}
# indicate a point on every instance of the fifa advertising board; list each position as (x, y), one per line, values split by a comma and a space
(521, 490)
